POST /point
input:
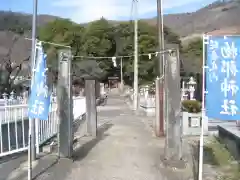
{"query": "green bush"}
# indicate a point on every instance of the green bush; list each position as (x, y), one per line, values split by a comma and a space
(191, 106)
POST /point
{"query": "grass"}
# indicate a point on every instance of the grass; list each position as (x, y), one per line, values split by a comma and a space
(218, 155)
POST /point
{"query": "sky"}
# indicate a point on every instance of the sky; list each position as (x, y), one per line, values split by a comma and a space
(82, 11)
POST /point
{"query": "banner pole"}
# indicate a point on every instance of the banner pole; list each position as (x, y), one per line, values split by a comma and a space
(200, 166)
(29, 157)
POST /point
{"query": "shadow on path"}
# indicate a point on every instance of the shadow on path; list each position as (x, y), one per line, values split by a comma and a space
(49, 166)
(82, 151)
(59, 168)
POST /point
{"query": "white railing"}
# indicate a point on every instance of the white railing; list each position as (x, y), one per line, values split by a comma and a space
(79, 107)
(147, 101)
(47, 129)
(14, 126)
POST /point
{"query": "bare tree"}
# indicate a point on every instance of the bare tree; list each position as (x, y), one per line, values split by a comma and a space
(10, 66)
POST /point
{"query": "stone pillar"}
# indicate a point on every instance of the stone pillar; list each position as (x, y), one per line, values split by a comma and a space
(91, 110)
(65, 105)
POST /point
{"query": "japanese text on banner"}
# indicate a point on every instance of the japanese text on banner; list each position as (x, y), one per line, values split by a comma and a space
(222, 78)
(39, 101)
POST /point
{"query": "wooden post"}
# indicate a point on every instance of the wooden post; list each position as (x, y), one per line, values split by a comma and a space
(160, 130)
(159, 109)
(91, 110)
(157, 115)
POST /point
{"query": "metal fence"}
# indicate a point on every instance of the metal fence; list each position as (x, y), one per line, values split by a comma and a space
(14, 127)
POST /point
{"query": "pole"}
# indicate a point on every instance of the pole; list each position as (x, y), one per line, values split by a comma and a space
(156, 120)
(33, 55)
(37, 123)
(29, 158)
(121, 71)
(160, 35)
(135, 98)
(160, 129)
(200, 166)
(121, 74)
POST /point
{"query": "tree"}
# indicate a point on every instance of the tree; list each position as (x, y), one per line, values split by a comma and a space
(171, 37)
(147, 43)
(63, 32)
(14, 54)
(99, 42)
(103, 39)
(96, 39)
(10, 66)
(192, 56)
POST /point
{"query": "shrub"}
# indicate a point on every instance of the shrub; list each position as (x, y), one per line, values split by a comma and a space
(191, 106)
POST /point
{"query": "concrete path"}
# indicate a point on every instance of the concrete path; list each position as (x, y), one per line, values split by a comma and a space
(125, 149)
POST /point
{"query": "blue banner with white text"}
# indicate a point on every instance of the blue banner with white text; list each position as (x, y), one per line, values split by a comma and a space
(222, 77)
(39, 100)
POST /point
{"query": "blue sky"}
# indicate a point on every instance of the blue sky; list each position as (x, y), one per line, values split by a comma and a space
(87, 10)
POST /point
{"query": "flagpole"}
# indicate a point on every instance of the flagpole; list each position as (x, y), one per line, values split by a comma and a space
(200, 165)
(135, 82)
(32, 134)
(33, 55)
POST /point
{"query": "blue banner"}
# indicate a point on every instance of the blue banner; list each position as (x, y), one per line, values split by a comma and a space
(39, 101)
(222, 77)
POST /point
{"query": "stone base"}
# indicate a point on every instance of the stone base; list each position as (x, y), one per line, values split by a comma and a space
(149, 111)
(173, 163)
(230, 136)
(194, 129)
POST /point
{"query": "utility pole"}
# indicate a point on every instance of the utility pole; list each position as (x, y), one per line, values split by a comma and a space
(33, 57)
(135, 97)
(160, 128)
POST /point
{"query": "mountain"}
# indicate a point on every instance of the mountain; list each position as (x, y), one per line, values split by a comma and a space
(10, 20)
(19, 46)
(221, 17)
(216, 16)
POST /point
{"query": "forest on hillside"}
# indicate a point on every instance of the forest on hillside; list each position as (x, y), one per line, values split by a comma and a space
(102, 38)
